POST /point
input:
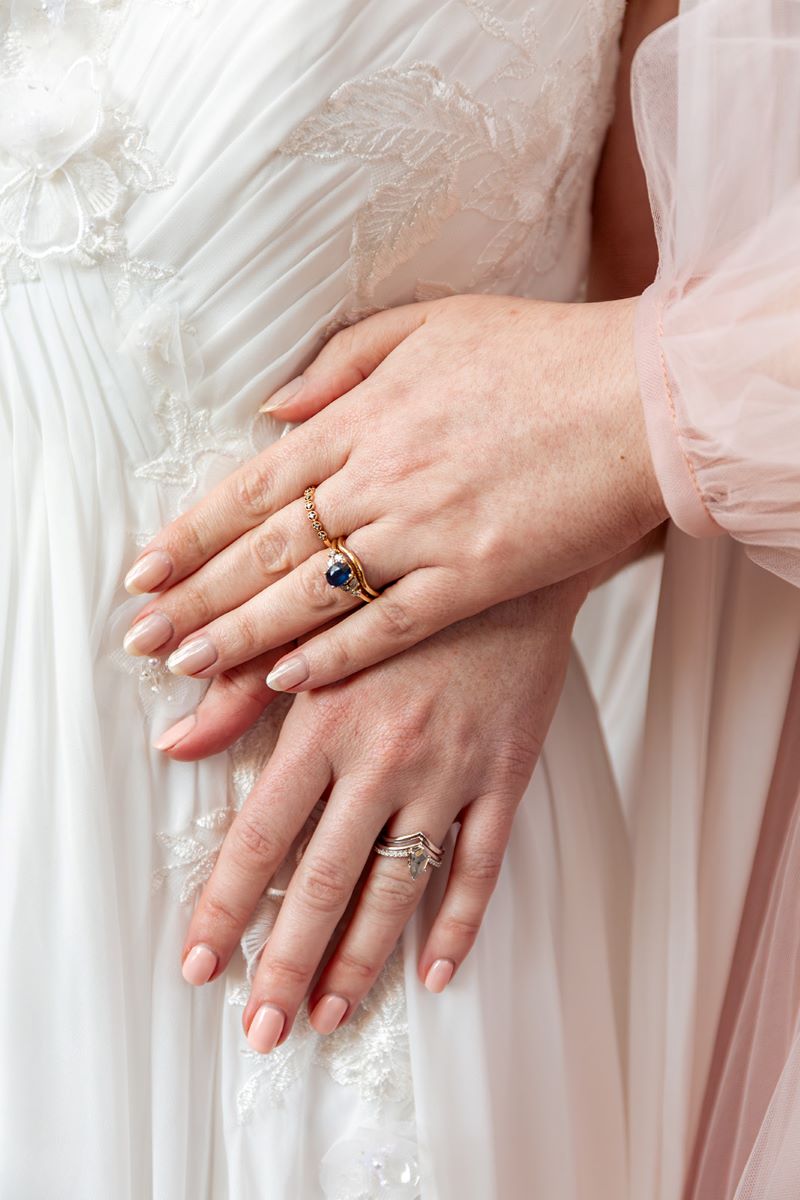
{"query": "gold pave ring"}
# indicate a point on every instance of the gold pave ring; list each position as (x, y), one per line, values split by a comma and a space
(418, 848)
(346, 571)
(313, 516)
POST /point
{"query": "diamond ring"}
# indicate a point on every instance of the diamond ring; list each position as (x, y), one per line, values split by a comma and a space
(418, 848)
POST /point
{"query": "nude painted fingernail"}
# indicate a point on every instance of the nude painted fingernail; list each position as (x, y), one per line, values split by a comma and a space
(266, 1028)
(194, 656)
(149, 572)
(199, 965)
(176, 733)
(283, 395)
(148, 634)
(439, 975)
(288, 673)
(327, 1015)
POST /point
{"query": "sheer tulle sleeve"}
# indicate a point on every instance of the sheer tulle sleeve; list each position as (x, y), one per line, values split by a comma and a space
(716, 97)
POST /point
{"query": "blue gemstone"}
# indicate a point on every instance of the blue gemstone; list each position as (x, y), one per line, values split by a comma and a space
(338, 574)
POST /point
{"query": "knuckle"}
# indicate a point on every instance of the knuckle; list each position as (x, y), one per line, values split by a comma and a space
(324, 888)
(285, 972)
(218, 912)
(481, 868)
(394, 617)
(356, 966)
(269, 551)
(253, 490)
(317, 593)
(460, 929)
(406, 740)
(251, 839)
(189, 541)
(393, 891)
(516, 757)
(193, 600)
(242, 683)
(245, 625)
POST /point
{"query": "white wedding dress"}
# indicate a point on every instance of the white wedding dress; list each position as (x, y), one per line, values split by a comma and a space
(193, 194)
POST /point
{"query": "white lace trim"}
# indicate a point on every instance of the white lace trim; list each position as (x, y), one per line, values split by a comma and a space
(415, 131)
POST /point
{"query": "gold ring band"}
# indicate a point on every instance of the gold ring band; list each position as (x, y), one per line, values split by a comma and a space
(313, 516)
(417, 848)
(346, 571)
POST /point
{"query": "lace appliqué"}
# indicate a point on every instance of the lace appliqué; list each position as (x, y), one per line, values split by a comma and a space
(370, 1053)
(70, 162)
(193, 852)
(416, 131)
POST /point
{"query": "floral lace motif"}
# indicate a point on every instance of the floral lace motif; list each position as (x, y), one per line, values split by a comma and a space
(416, 131)
(70, 161)
(369, 1053)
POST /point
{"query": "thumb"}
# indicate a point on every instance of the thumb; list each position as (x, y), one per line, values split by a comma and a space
(348, 358)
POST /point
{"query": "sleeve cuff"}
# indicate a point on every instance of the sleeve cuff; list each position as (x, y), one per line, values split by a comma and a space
(678, 484)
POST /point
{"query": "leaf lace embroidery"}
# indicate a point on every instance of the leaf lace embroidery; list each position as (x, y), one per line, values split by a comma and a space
(415, 131)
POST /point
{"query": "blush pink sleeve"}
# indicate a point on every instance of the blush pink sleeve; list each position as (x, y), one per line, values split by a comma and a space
(716, 97)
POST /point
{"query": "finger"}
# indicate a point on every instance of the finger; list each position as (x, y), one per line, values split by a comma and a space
(478, 857)
(263, 486)
(300, 602)
(235, 575)
(318, 895)
(233, 702)
(417, 606)
(387, 901)
(255, 846)
(347, 359)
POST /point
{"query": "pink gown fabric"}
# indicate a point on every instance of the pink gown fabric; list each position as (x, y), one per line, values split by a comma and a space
(715, 1000)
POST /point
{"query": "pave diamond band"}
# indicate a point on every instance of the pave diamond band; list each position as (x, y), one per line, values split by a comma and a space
(418, 848)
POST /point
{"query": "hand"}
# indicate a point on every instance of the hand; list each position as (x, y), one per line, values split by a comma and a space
(485, 446)
(448, 732)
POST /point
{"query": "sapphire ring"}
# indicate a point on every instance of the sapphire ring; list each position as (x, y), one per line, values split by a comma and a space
(346, 571)
(417, 848)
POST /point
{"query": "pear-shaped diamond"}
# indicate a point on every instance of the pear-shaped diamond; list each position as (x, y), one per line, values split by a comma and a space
(417, 861)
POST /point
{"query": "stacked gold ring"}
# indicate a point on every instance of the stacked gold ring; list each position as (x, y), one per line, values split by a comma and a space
(346, 571)
(417, 848)
(313, 516)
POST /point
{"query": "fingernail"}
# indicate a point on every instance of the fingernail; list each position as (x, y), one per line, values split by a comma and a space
(266, 1028)
(199, 965)
(150, 571)
(283, 395)
(288, 673)
(175, 733)
(439, 975)
(327, 1015)
(194, 656)
(147, 635)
